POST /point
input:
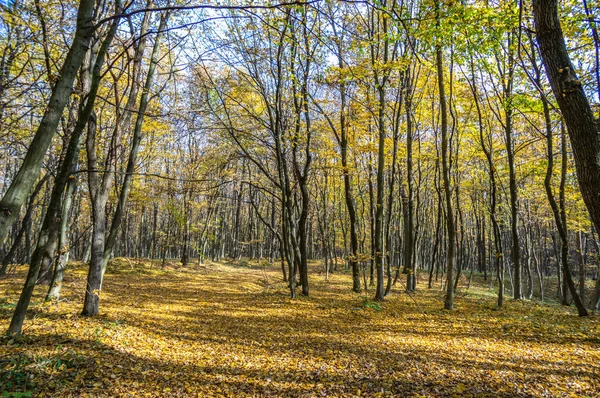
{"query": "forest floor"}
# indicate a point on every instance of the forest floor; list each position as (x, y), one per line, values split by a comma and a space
(224, 330)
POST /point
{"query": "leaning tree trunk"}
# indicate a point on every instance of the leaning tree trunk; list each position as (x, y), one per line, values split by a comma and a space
(581, 124)
(50, 224)
(30, 168)
(8, 258)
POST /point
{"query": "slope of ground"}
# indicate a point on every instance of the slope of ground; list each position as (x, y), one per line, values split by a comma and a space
(232, 331)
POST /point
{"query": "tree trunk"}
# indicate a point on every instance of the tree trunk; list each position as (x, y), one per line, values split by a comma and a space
(137, 131)
(580, 239)
(409, 205)
(439, 60)
(98, 200)
(9, 257)
(48, 239)
(63, 244)
(581, 124)
(30, 168)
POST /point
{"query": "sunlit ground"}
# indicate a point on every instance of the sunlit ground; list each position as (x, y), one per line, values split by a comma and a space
(221, 330)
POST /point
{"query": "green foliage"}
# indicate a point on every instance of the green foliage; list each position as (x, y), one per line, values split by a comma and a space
(14, 378)
(370, 304)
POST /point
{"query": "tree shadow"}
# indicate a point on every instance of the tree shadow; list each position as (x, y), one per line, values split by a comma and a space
(189, 334)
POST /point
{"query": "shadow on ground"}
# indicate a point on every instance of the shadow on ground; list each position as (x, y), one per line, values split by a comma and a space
(232, 331)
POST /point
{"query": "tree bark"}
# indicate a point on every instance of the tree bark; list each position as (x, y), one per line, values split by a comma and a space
(581, 124)
(51, 225)
(63, 244)
(137, 131)
(30, 168)
(450, 227)
(8, 258)
(380, 84)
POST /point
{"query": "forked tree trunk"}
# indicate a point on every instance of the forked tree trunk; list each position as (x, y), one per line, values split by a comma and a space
(43, 250)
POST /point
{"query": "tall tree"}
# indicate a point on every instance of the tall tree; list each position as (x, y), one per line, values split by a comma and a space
(30, 167)
(579, 118)
(446, 162)
(51, 226)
